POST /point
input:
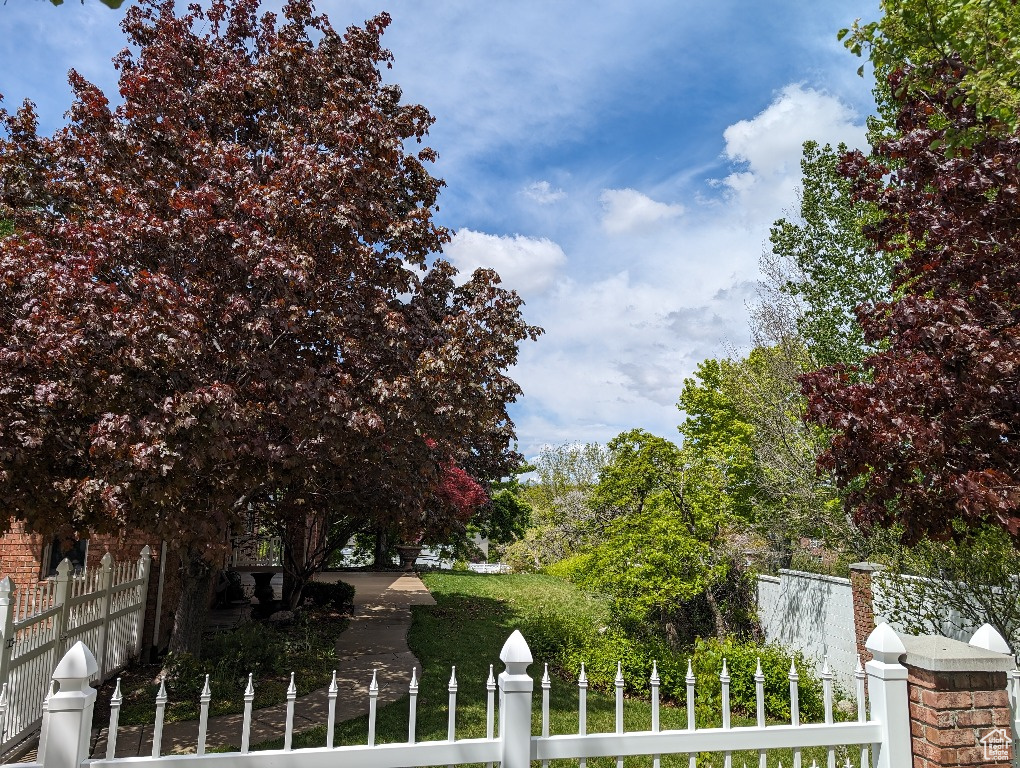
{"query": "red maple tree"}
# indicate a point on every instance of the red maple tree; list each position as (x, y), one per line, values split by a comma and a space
(930, 433)
(222, 293)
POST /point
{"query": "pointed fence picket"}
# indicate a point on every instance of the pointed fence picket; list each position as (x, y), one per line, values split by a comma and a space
(69, 707)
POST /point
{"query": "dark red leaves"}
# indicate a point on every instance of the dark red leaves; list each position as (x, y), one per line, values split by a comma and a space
(932, 433)
(224, 291)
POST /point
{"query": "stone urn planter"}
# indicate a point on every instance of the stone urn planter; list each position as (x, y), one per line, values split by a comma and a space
(408, 555)
(264, 592)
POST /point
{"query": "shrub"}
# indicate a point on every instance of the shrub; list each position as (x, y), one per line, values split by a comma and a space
(568, 568)
(250, 647)
(566, 642)
(741, 661)
(337, 595)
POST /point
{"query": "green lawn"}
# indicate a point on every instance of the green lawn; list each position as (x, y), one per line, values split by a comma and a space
(467, 628)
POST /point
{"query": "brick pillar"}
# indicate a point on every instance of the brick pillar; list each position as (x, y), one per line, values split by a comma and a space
(959, 709)
(864, 604)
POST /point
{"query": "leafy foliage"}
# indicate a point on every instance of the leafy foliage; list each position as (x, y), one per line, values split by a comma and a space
(656, 544)
(938, 587)
(975, 38)
(821, 267)
(926, 431)
(561, 516)
(717, 441)
(336, 595)
(508, 515)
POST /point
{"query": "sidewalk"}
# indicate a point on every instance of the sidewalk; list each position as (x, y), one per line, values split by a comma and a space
(375, 639)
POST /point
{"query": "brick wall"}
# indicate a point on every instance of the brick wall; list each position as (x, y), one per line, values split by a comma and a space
(21, 555)
(950, 712)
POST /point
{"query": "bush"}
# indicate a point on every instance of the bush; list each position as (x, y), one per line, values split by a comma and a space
(741, 661)
(250, 647)
(566, 642)
(337, 595)
(568, 568)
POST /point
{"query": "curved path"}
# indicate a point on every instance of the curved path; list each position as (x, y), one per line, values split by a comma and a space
(376, 639)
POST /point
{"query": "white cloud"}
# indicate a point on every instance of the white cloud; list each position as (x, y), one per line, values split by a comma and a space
(770, 143)
(526, 264)
(627, 210)
(669, 290)
(543, 192)
(768, 146)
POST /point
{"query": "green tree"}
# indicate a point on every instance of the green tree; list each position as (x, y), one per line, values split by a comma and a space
(561, 516)
(977, 39)
(818, 273)
(821, 268)
(660, 549)
(718, 439)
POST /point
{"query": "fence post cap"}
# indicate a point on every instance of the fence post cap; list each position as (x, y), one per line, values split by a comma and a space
(988, 637)
(885, 645)
(64, 567)
(107, 560)
(6, 585)
(78, 664)
(516, 651)
(866, 566)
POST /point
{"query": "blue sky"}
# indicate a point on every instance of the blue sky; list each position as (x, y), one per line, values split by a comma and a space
(619, 163)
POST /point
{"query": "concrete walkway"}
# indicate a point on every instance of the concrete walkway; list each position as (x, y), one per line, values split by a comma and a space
(375, 639)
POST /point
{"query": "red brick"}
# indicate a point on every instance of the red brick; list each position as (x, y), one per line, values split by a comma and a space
(951, 737)
(927, 750)
(921, 677)
(974, 717)
(1001, 716)
(949, 699)
(991, 698)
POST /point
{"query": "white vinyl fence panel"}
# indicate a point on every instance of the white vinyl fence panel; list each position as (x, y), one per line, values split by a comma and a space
(104, 608)
(813, 614)
(68, 724)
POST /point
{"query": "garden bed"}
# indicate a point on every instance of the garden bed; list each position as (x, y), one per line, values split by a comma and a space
(270, 651)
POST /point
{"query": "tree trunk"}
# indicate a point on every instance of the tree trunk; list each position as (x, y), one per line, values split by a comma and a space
(192, 606)
(294, 579)
(383, 557)
(717, 617)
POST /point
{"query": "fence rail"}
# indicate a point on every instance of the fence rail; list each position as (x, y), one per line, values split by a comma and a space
(104, 608)
(250, 552)
(885, 736)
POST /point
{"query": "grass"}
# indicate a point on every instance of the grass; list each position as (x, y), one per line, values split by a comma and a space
(467, 627)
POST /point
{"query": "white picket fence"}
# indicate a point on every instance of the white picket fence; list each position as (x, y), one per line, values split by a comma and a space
(104, 609)
(881, 740)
